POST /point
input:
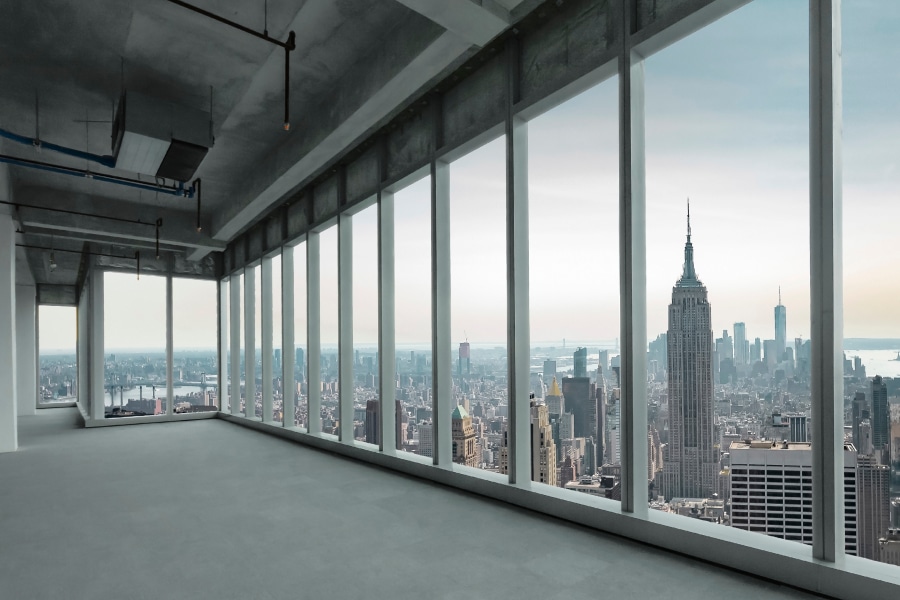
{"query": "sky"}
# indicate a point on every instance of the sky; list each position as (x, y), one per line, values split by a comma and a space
(726, 125)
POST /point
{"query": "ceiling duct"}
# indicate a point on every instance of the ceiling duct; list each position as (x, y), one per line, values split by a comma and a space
(160, 138)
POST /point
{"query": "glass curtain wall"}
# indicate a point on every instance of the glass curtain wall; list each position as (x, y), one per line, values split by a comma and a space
(301, 406)
(412, 318)
(134, 342)
(57, 338)
(328, 295)
(480, 402)
(194, 353)
(277, 346)
(728, 319)
(573, 203)
(366, 406)
(871, 130)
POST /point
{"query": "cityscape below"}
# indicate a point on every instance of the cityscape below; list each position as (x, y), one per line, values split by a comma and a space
(729, 437)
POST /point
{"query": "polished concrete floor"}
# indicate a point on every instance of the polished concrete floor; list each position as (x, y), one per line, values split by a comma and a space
(208, 509)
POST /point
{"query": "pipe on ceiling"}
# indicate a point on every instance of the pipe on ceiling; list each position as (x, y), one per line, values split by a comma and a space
(173, 190)
(106, 161)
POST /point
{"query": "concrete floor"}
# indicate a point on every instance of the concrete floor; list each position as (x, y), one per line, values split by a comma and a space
(207, 509)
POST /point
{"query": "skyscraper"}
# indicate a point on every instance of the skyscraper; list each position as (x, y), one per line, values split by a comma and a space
(464, 366)
(549, 370)
(881, 415)
(580, 400)
(543, 449)
(740, 344)
(373, 427)
(462, 434)
(692, 462)
(873, 502)
(780, 329)
(554, 399)
(580, 359)
(771, 490)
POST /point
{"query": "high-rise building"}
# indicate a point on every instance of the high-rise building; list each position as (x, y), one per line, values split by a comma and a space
(464, 366)
(881, 415)
(692, 461)
(799, 429)
(462, 433)
(580, 362)
(780, 329)
(860, 411)
(580, 401)
(426, 439)
(740, 344)
(889, 547)
(549, 370)
(401, 424)
(770, 353)
(756, 351)
(771, 490)
(373, 425)
(591, 452)
(603, 360)
(543, 449)
(556, 404)
(873, 502)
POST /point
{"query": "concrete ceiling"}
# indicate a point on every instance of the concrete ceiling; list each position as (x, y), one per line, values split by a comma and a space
(64, 63)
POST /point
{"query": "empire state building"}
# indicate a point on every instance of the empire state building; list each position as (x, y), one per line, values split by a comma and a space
(691, 461)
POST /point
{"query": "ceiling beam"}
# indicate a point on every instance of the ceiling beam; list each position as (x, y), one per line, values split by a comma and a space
(474, 23)
(440, 55)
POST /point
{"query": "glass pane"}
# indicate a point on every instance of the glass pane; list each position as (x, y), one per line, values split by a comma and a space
(134, 343)
(478, 305)
(328, 282)
(727, 127)
(300, 363)
(412, 320)
(573, 200)
(225, 341)
(257, 335)
(871, 324)
(242, 355)
(57, 334)
(194, 353)
(366, 406)
(277, 372)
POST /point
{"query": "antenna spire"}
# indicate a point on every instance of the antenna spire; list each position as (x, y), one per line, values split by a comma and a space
(688, 219)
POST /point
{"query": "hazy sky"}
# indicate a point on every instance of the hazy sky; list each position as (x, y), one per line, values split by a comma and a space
(726, 125)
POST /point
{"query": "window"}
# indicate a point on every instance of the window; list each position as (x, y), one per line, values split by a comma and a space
(194, 353)
(57, 335)
(328, 322)
(366, 405)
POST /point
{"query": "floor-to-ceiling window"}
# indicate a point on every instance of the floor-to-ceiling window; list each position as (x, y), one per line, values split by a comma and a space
(194, 352)
(58, 368)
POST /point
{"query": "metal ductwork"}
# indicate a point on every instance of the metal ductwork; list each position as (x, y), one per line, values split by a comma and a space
(159, 138)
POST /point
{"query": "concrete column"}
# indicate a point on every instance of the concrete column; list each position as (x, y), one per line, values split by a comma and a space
(313, 335)
(250, 342)
(826, 279)
(632, 274)
(387, 348)
(170, 346)
(224, 367)
(266, 337)
(345, 327)
(287, 334)
(440, 312)
(8, 427)
(95, 346)
(26, 349)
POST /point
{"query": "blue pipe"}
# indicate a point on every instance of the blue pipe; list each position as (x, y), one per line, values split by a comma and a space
(178, 190)
(106, 161)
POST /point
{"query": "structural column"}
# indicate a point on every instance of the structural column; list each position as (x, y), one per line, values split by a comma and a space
(223, 392)
(235, 344)
(288, 356)
(96, 347)
(632, 274)
(267, 346)
(387, 349)
(250, 342)
(170, 346)
(826, 277)
(345, 327)
(442, 360)
(313, 335)
(8, 413)
(26, 349)
(517, 277)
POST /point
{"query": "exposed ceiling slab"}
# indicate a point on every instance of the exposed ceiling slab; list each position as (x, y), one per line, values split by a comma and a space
(475, 23)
